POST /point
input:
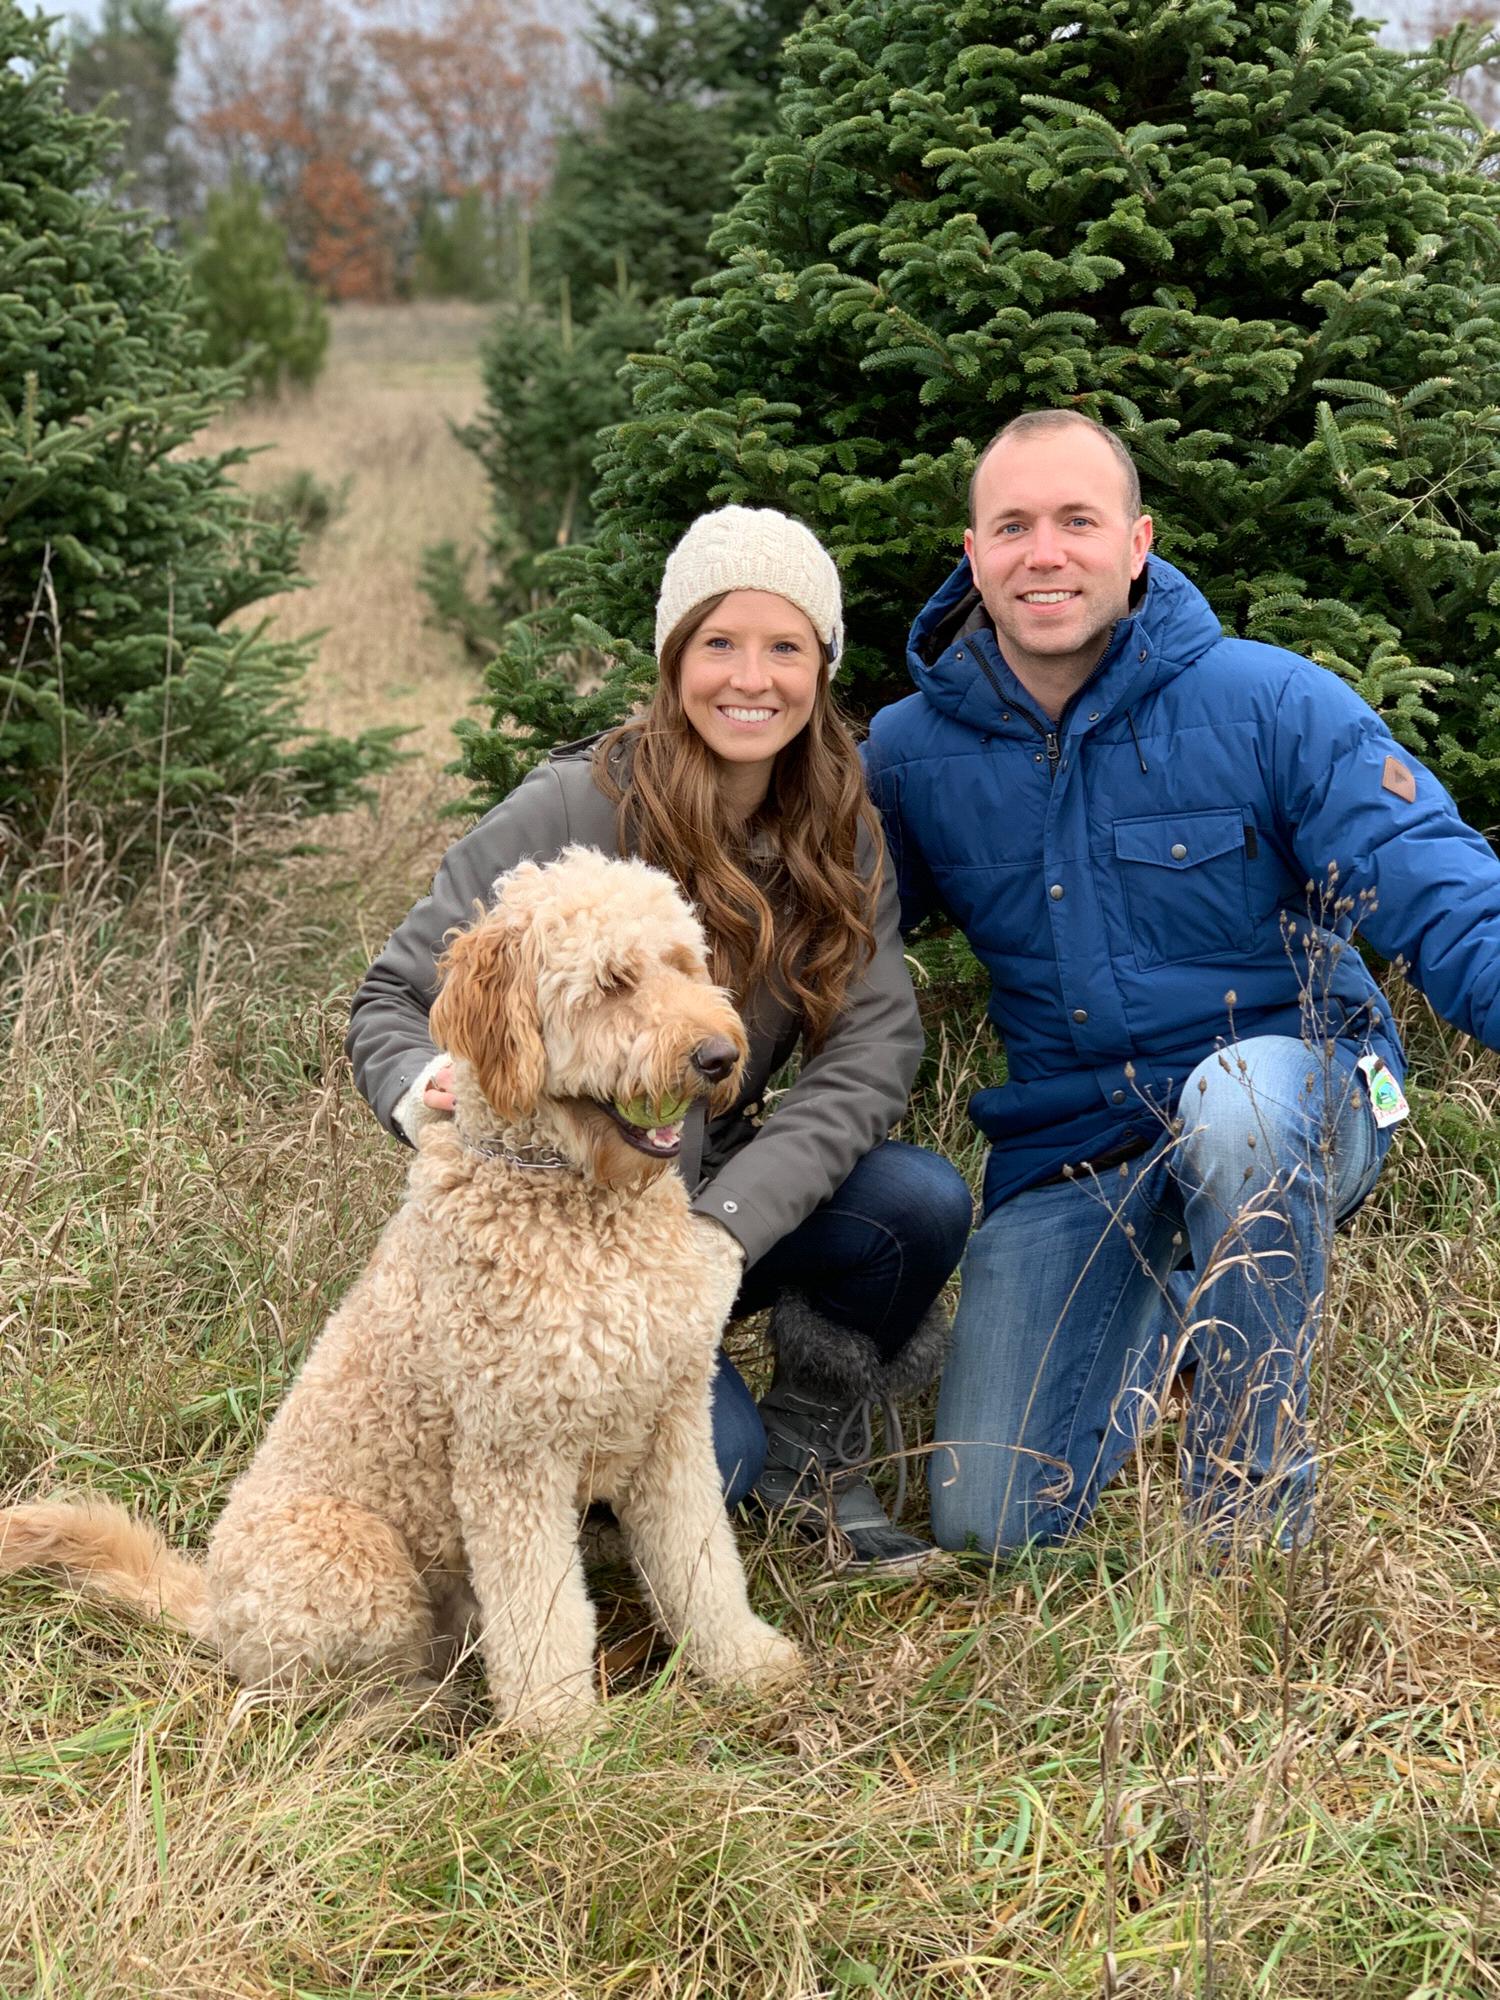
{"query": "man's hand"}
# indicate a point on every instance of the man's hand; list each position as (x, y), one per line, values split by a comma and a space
(438, 1094)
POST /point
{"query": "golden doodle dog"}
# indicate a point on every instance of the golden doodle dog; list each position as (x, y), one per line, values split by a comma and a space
(537, 1328)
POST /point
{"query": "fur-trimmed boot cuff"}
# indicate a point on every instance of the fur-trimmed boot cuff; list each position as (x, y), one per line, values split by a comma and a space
(845, 1365)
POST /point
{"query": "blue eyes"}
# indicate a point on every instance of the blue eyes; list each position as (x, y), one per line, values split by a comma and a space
(717, 643)
(1012, 528)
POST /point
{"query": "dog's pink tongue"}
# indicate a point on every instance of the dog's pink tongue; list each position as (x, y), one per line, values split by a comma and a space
(663, 1137)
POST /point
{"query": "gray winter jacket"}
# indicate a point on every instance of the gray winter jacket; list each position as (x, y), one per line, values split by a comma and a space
(758, 1180)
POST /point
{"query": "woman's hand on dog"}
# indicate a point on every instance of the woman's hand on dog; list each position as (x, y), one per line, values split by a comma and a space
(438, 1094)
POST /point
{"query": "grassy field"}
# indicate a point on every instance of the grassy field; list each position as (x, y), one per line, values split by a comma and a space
(1110, 1772)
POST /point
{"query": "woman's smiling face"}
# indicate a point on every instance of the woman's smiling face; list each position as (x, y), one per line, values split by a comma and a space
(748, 680)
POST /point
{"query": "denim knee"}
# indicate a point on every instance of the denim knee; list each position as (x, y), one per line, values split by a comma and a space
(739, 1434)
(1250, 1112)
(956, 1519)
(964, 1511)
(876, 1254)
(927, 1200)
(996, 1511)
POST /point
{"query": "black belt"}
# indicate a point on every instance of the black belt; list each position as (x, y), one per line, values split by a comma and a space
(1128, 1149)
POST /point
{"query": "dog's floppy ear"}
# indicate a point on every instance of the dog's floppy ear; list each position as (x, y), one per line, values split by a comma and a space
(486, 1012)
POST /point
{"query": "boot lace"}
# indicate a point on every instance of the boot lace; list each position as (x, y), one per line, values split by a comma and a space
(846, 1444)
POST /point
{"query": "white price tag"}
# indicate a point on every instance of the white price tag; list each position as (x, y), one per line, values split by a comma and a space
(1388, 1103)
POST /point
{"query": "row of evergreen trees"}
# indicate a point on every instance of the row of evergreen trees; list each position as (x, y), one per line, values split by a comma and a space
(1263, 245)
(622, 232)
(1260, 243)
(127, 676)
(257, 313)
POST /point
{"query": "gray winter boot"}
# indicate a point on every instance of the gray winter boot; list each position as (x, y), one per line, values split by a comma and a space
(817, 1414)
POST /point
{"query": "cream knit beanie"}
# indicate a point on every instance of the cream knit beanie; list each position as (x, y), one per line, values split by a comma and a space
(752, 548)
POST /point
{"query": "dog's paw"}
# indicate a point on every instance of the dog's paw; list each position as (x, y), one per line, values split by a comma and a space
(760, 1658)
(560, 1715)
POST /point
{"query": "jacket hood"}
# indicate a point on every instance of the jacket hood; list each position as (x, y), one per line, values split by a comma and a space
(954, 657)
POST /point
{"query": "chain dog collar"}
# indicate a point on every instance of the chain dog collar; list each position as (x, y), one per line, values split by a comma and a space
(532, 1158)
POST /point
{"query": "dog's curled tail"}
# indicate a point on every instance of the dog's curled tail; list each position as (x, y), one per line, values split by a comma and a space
(105, 1552)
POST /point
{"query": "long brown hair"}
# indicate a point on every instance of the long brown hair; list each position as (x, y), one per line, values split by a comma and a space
(804, 920)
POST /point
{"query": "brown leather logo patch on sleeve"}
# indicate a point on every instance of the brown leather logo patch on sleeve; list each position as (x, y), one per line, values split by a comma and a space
(1398, 779)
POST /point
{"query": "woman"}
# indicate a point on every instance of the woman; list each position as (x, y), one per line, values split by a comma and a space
(741, 781)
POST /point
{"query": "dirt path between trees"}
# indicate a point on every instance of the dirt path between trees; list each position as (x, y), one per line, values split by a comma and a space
(379, 417)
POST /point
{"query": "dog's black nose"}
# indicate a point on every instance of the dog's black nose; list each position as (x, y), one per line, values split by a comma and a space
(715, 1058)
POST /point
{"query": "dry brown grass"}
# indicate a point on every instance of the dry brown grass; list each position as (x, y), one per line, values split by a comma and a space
(378, 416)
(1103, 1773)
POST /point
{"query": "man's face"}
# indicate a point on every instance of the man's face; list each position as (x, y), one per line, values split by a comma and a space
(1054, 548)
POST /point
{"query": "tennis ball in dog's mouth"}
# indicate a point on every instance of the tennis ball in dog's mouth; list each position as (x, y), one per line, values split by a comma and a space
(647, 1116)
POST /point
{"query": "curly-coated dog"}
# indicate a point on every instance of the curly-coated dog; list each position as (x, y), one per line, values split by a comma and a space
(537, 1328)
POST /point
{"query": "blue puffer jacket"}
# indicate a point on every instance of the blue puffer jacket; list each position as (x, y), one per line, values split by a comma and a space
(1136, 878)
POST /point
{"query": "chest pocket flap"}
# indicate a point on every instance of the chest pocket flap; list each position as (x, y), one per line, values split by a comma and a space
(1180, 840)
(1185, 885)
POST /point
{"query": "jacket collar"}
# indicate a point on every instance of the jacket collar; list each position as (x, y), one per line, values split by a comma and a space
(954, 656)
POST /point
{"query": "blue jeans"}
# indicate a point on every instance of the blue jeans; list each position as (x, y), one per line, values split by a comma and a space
(874, 1256)
(1071, 1326)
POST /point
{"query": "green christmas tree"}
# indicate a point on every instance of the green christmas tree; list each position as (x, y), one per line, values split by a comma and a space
(551, 386)
(124, 559)
(641, 185)
(461, 247)
(250, 303)
(1255, 241)
(625, 226)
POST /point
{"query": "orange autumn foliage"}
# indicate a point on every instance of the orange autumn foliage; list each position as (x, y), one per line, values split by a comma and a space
(353, 116)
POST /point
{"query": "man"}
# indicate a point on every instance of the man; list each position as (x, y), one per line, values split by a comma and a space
(1157, 839)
